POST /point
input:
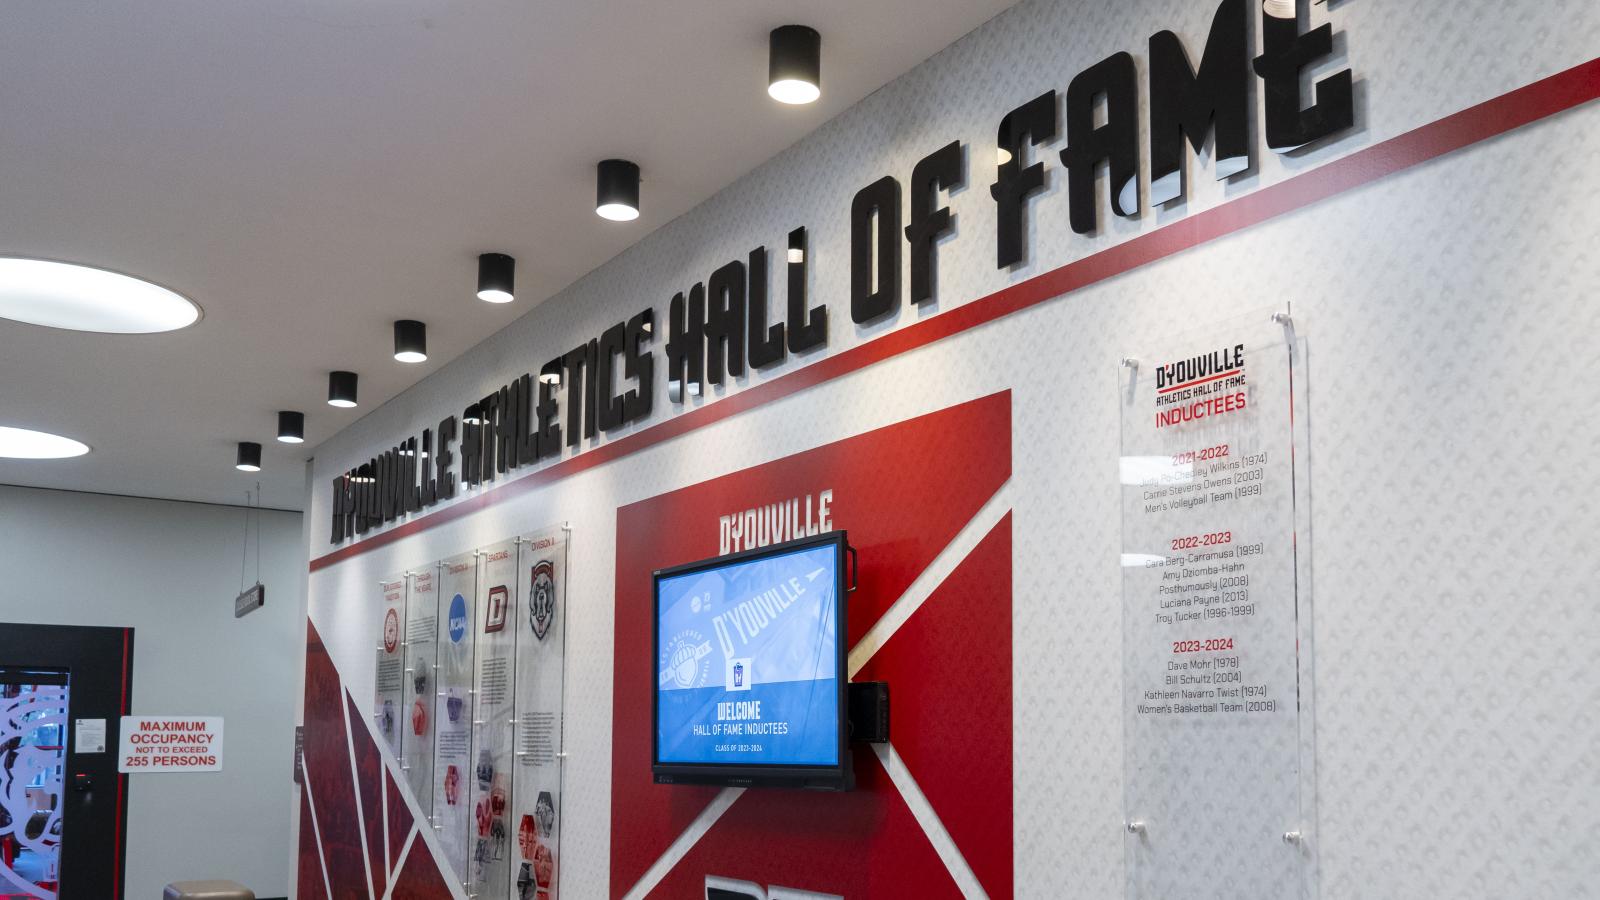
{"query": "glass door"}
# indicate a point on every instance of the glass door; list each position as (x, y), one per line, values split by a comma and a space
(33, 756)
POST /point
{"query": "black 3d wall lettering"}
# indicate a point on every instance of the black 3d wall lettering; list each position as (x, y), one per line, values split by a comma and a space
(1285, 53)
(875, 250)
(725, 323)
(939, 170)
(723, 326)
(1185, 103)
(686, 343)
(808, 328)
(1033, 122)
(1116, 142)
(764, 342)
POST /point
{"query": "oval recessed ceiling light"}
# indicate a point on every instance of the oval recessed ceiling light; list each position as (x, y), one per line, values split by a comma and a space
(23, 443)
(82, 298)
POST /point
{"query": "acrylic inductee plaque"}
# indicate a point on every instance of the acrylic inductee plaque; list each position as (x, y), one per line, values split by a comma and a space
(540, 622)
(414, 717)
(489, 863)
(1219, 789)
(389, 677)
(454, 769)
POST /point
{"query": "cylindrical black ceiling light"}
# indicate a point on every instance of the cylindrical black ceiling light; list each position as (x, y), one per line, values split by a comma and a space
(471, 415)
(497, 275)
(248, 458)
(292, 427)
(794, 65)
(342, 389)
(617, 190)
(410, 341)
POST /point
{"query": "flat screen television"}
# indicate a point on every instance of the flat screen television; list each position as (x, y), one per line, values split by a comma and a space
(750, 681)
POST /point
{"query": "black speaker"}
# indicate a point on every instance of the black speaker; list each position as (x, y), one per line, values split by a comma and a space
(869, 712)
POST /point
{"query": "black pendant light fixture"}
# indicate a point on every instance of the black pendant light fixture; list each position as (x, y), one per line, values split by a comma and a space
(342, 389)
(497, 274)
(248, 458)
(794, 65)
(617, 190)
(292, 427)
(410, 341)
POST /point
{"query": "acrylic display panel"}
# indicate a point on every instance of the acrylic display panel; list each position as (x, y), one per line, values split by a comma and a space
(416, 712)
(1217, 689)
(454, 769)
(541, 633)
(489, 866)
(389, 674)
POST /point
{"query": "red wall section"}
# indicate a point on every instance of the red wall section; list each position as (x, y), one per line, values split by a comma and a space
(331, 835)
(903, 492)
(949, 671)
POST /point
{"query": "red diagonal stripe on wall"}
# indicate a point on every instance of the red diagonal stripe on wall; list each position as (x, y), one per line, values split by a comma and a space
(339, 821)
(949, 672)
(369, 777)
(856, 844)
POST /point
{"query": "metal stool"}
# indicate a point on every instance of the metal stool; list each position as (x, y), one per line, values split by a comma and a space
(207, 890)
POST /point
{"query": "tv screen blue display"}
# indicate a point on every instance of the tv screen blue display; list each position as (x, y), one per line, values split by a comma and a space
(748, 661)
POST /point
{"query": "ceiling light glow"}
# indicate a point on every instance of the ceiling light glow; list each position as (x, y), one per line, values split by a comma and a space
(82, 298)
(25, 443)
(793, 92)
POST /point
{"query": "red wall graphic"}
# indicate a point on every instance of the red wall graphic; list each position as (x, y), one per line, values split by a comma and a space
(904, 493)
(354, 825)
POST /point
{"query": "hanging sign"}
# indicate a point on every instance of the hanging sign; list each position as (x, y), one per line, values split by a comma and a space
(250, 601)
(189, 744)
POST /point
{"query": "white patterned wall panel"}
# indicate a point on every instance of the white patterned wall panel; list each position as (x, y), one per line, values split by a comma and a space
(1451, 329)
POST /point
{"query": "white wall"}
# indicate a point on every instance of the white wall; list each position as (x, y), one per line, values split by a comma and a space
(170, 571)
(1448, 314)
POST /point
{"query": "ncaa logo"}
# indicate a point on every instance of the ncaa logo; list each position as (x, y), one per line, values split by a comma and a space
(719, 888)
(542, 598)
(458, 618)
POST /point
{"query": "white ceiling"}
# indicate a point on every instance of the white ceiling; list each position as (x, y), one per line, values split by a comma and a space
(309, 171)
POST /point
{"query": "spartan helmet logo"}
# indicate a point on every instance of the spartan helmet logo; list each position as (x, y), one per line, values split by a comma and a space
(542, 598)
